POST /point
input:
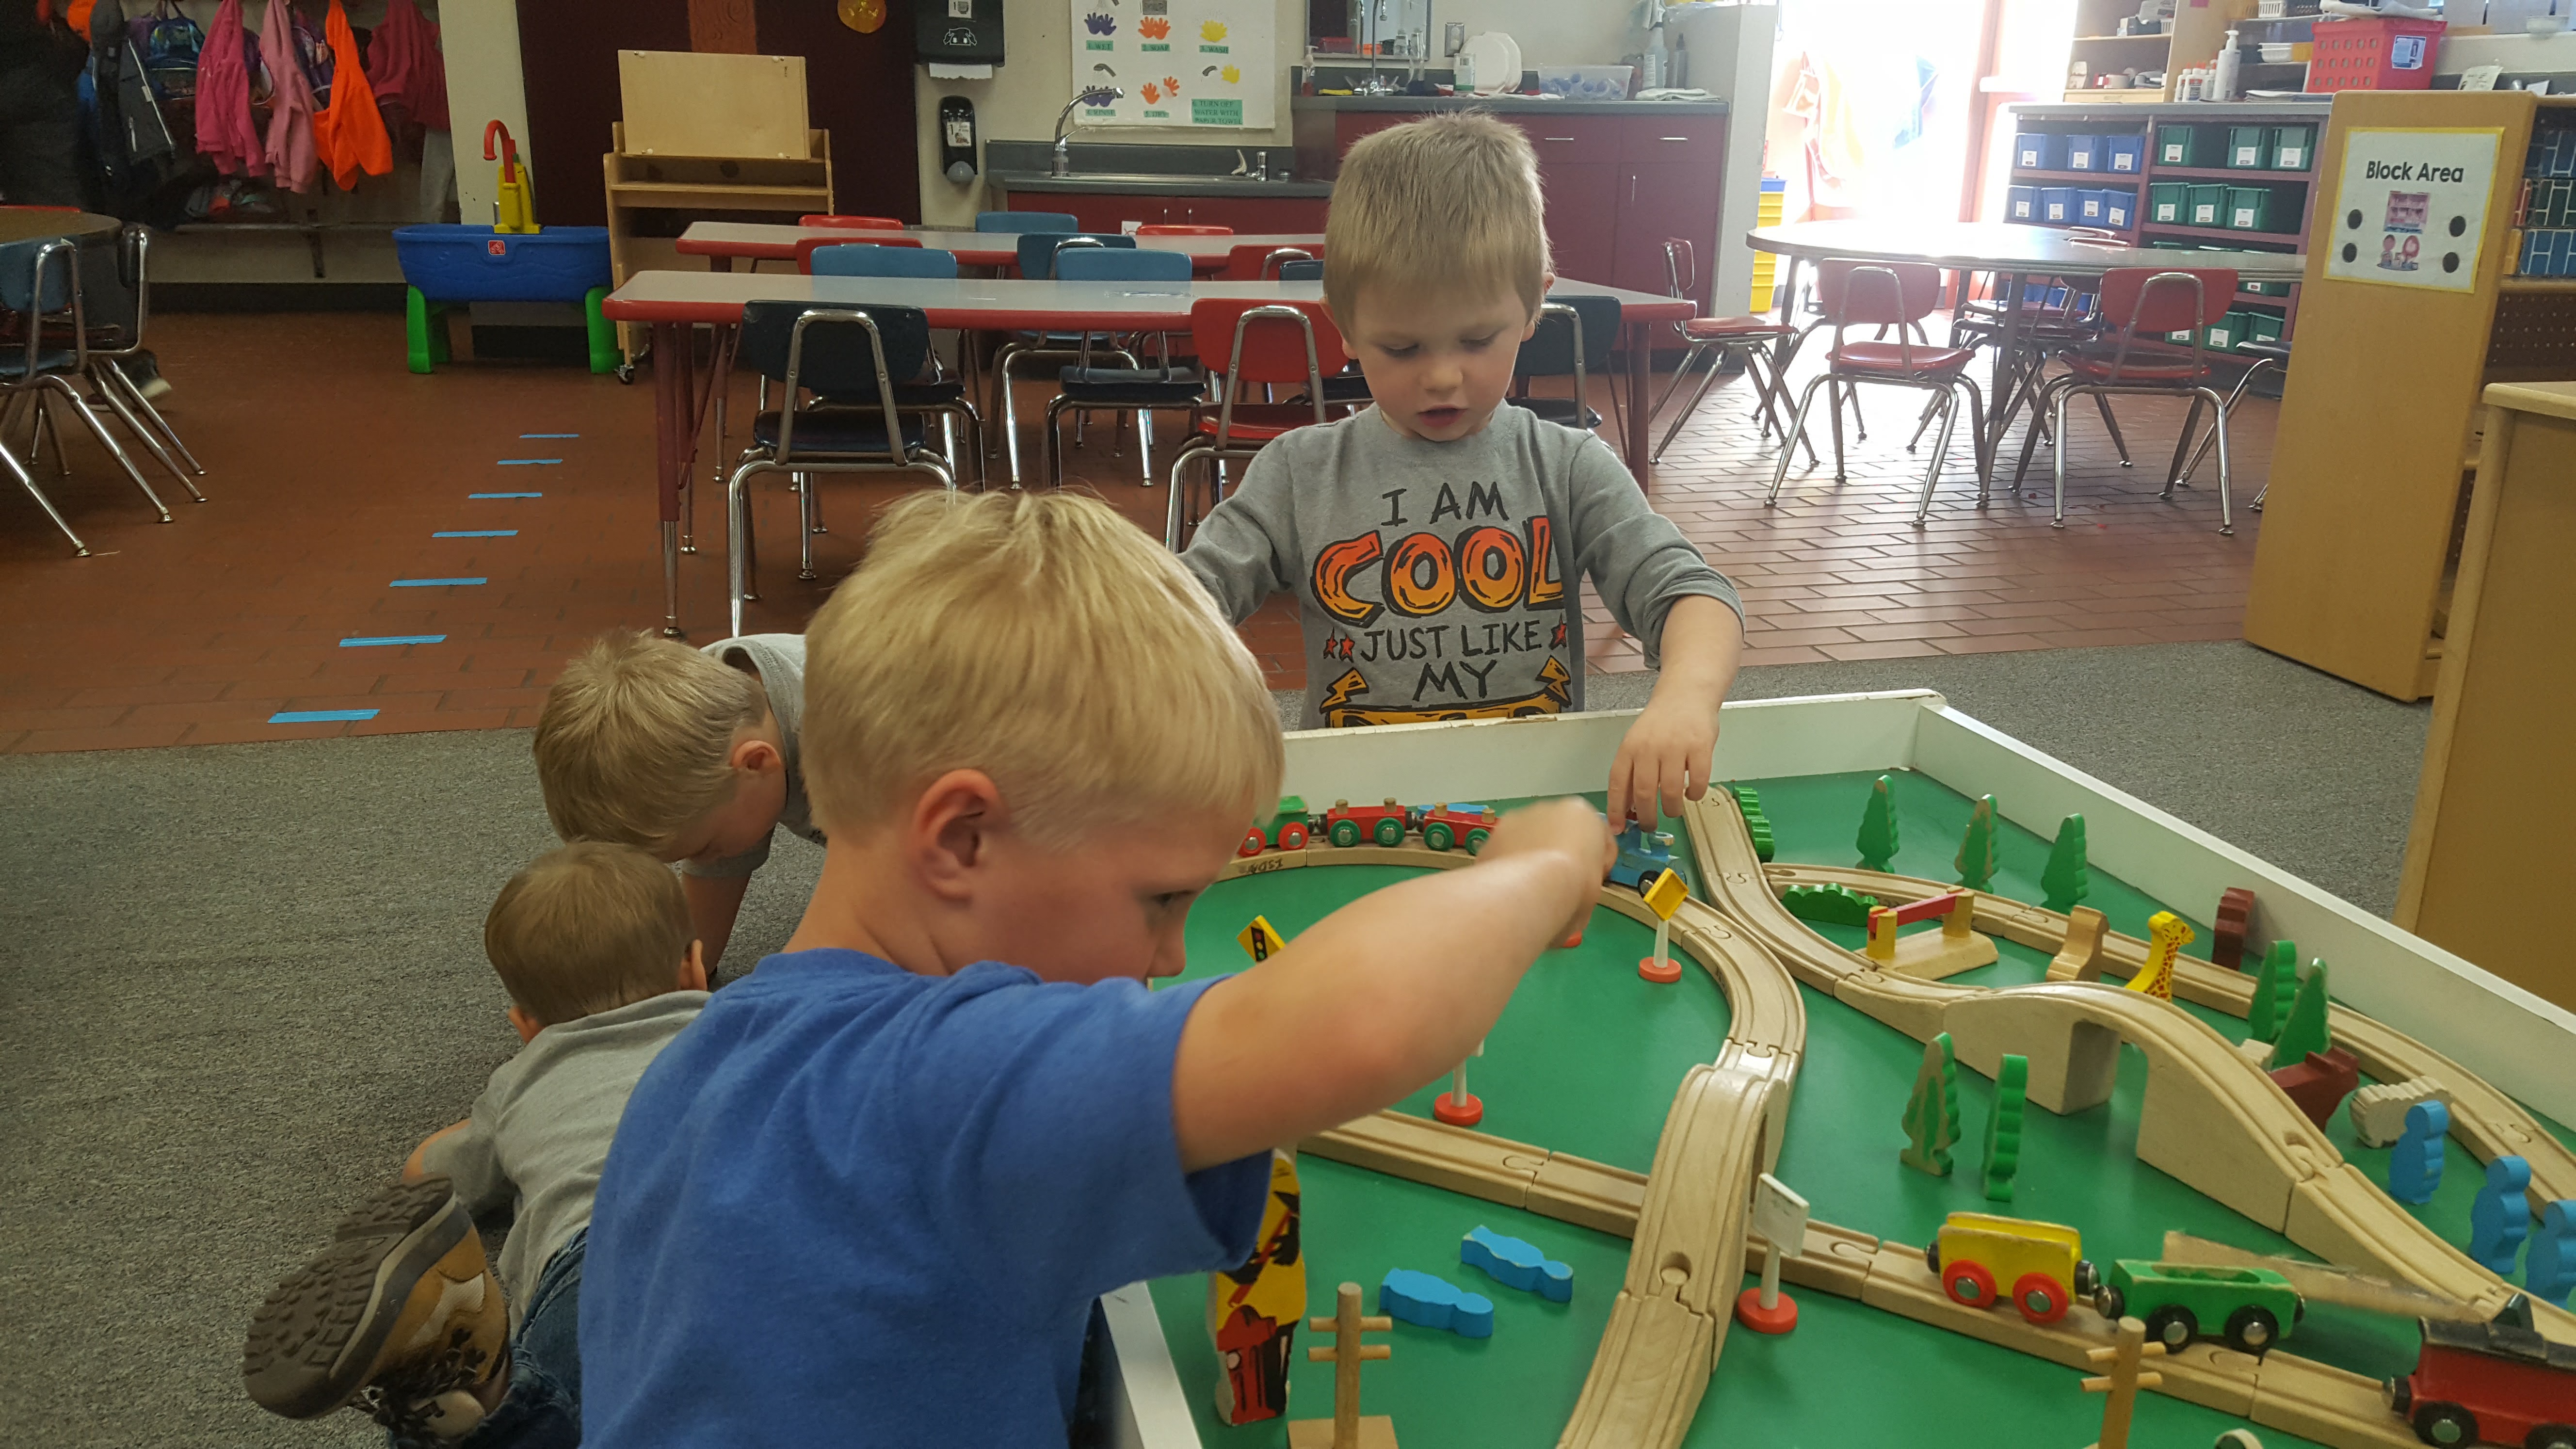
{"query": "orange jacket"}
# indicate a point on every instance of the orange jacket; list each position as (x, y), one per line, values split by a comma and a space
(350, 133)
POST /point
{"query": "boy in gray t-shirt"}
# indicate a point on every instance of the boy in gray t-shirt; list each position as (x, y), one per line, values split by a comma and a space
(400, 1314)
(1435, 542)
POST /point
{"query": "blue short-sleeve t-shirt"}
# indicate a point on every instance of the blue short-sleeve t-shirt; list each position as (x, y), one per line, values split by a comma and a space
(854, 1205)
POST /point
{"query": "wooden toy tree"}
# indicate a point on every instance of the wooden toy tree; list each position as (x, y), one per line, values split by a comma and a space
(2122, 1383)
(1975, 861)
(1346, 1429)
(2003, 1129)
(1877, 839)
(2275, 982)
(1756, 824)
(1932, 1116)
(2306, 1029)
(2065, 881)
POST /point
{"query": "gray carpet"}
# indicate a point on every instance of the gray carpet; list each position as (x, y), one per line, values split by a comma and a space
(239, 982)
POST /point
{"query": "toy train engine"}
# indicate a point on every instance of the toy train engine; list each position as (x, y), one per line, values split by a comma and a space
(1982, 1259)
(1446, 826)
(2498, 1382)
(1347, 824)
(2180, 1301)
(1643, 855)
(1286, 830)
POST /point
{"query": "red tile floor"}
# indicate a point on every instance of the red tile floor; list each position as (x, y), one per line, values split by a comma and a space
(332, 468)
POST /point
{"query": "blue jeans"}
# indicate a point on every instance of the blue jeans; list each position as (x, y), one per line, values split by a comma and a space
(542, 1408)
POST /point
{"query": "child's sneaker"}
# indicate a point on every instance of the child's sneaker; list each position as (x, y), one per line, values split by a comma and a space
(400, 1314)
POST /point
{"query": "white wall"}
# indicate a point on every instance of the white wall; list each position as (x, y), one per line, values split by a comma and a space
(480, 39)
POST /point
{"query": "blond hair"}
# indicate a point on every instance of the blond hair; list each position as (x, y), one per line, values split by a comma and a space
(636, 739)
(1041, 639)
(586, 928)
(1440, 204)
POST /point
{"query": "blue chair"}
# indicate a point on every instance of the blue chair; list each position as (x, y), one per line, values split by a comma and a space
(859, 420)
(40, 282)
(1007, 221)
(867, 259)
(1037, 256)
(1141, 390)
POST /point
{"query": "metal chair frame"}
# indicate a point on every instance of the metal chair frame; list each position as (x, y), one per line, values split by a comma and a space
(1144, 412)
(121, 395)
(1762, 348)
(1038, 346)
(2055, 392)
(2273, 355)
(27, 392)
(1582, 398)
(1221, 448)
(1943, 384)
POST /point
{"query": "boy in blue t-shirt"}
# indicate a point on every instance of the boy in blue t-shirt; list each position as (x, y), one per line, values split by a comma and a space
(870, 1195)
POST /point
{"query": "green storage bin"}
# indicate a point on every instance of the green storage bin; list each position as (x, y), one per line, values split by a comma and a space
(2293, 148)
(2180, 339)
(2261, 327)
(2223, 334)
(2208, 207)
(2169, 202)
(2177, 146)
(2246, 148)
(2265, 289)
(2249, 208)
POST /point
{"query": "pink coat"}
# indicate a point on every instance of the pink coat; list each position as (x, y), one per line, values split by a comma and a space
(291, 152)
(404, 65)
(225, 131)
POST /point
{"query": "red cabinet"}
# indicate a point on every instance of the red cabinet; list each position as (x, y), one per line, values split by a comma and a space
(1660, 200)
(1582, 218)
(1252, 214)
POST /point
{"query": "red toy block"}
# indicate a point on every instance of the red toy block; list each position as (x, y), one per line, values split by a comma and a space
(1458, 1109)
(1927, 909)
(2235, 914)
(2320, 1083)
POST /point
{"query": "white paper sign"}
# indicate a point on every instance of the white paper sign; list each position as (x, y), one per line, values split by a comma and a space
(2411, 209)
(1180, 62)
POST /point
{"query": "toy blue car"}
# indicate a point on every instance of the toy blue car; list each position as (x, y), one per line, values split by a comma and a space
(1643, 855)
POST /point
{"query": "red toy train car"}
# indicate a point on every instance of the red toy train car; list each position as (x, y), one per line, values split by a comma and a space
(1347, 824)
(2490, 1383)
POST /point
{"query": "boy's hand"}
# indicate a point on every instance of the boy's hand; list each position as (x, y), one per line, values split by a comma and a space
(1663, 761)
(1568, 828)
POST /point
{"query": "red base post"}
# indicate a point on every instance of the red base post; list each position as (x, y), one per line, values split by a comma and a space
(1779, 1318)
(1458, 1110)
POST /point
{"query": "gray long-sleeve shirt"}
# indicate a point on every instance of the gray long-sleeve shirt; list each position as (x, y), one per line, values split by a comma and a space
(1436, 580)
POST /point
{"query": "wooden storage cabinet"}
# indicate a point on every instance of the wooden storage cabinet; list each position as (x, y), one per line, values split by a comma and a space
(787, 186)
(1656, 201)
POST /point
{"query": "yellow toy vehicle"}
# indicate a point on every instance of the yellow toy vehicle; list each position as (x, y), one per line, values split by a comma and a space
(1981, 1258)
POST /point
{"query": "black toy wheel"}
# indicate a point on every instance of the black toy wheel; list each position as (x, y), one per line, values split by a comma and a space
(2252, 1330)
(2552, 1436)
(2088, 1278)
(1932, 1259)
(2172, 1327)
(2445, 1424)
(2110, 1303)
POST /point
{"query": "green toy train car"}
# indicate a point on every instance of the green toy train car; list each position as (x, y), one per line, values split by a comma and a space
(2251, 1308)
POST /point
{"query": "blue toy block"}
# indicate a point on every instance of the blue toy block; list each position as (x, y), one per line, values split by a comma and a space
(1515, 1263)
(2549, 1269)
(1428, 1302)
(2501, 1217)
(2415, 1163)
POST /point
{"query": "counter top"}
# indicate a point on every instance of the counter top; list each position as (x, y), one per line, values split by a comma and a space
(2168, 110)
(1139, 184)
(1507, 105)
(2556, 399)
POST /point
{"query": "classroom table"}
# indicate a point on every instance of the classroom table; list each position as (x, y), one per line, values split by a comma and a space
(671, 302)
(45, 223)
(720, 242)
(2013, 252)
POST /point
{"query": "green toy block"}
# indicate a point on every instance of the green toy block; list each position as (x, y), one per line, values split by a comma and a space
(2003, 1129)
(2306, 1030)
(1831, 904)
(2065, 881)
(424, 330)
(1756, 824)
(603, 337)
(1932, 1116)
(1975, 861)
(2275, 981)
(1877, 840)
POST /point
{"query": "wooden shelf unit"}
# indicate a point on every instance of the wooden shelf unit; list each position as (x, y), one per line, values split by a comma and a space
(2191, 38)
(2360, 534)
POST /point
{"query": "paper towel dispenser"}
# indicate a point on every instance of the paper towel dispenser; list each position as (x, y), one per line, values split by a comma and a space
(957, 32)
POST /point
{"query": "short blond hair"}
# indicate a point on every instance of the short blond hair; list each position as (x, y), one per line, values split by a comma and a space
(586, 928)
(1041, 639)
(635, 742)
(1442, 204)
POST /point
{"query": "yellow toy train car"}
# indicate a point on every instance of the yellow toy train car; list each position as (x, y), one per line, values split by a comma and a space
(2040, 1267)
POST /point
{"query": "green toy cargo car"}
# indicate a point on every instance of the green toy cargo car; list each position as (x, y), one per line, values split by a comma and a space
(2250, 1308)
(1286, 830)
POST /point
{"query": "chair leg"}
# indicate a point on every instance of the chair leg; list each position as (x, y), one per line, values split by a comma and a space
(99, 431)
(2226, 520)
(1835, 391)
(2102, 401)
(2030, 437)
(126, 415)
(1707, 380)
(738, 541)
(1930, 410)
(1948, 403)
(46, 429)
(1977, 437)
(1797, 429)
(2057, 410)
(1145, 447)
(2190, 420)
(1860, 425)
(1054, 442)
(2234, 395)
(1180, 486)
(810, 518)
(27, 481)
(134, 396)
(1010, 409)
(1671, 389)
(1774, 388)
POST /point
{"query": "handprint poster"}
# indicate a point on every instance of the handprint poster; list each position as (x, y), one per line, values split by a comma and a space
(1180, 62)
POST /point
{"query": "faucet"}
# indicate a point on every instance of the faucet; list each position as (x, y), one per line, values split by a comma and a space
(1093, 96)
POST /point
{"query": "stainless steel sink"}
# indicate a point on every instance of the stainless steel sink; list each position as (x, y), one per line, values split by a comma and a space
(1148, 178)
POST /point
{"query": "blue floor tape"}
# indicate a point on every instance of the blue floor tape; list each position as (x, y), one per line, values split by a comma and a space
(477, 533)
(435, 583)
(319, 716)
(505, 495)
(529, 462)
(393, 639)
(550, 435)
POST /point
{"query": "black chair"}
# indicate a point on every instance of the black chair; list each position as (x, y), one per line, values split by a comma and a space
(40, 282)
(859, 420)
(1570, 331)
(1344, 389)
(1144, 391)
(1037, 251)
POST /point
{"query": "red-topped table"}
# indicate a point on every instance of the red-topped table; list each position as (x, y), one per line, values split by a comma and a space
(670, 302)
(721, 242)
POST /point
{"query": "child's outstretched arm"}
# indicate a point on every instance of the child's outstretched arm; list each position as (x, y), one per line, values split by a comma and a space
(1382, 995)
(1665, 757)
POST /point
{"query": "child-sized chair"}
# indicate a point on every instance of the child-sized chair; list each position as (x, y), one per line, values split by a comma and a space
(1896, 295)
(2145, 303)
(1762, 344)
(1025, 221)
(849, 358)
(806, 247)
(1141, 390)
(1262, 342)
(1570, 331)
(1037, 261)
(40, 283)
(1260, 262)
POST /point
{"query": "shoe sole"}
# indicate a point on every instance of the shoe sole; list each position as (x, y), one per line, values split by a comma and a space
(313, 1342)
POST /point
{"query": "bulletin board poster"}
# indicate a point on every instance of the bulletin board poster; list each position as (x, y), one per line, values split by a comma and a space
(2412, 207)
(1180, 62)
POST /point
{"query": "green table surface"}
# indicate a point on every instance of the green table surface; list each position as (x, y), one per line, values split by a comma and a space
(1586, 1060)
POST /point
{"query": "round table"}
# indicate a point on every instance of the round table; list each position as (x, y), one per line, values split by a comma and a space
(2011, 250)
(44, 223)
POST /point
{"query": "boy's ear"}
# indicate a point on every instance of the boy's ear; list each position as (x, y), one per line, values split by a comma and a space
(528, 1026)
(952, 829)
(758, 756)
(693, 968)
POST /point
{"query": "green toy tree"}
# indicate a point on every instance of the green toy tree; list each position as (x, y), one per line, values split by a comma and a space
(1834, 904)
(2306, 1029)
(2003, 1129)
(1877, 840)
(1932, 1116)
(1756, 824)
(1976, 859)
(2065, 882)
(2274, 984)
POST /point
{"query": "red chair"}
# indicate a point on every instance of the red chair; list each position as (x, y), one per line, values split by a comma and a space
(1265, 343)
(807, 246)
(1175, 229)
(1259, 261)
(1757, 340)
(1883, 295)
(2145, 303)
(852, 223)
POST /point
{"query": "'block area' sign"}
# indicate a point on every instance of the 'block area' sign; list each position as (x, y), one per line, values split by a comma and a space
(2411, 208)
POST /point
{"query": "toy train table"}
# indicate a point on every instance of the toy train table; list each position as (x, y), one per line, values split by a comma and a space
(1633, 1134)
